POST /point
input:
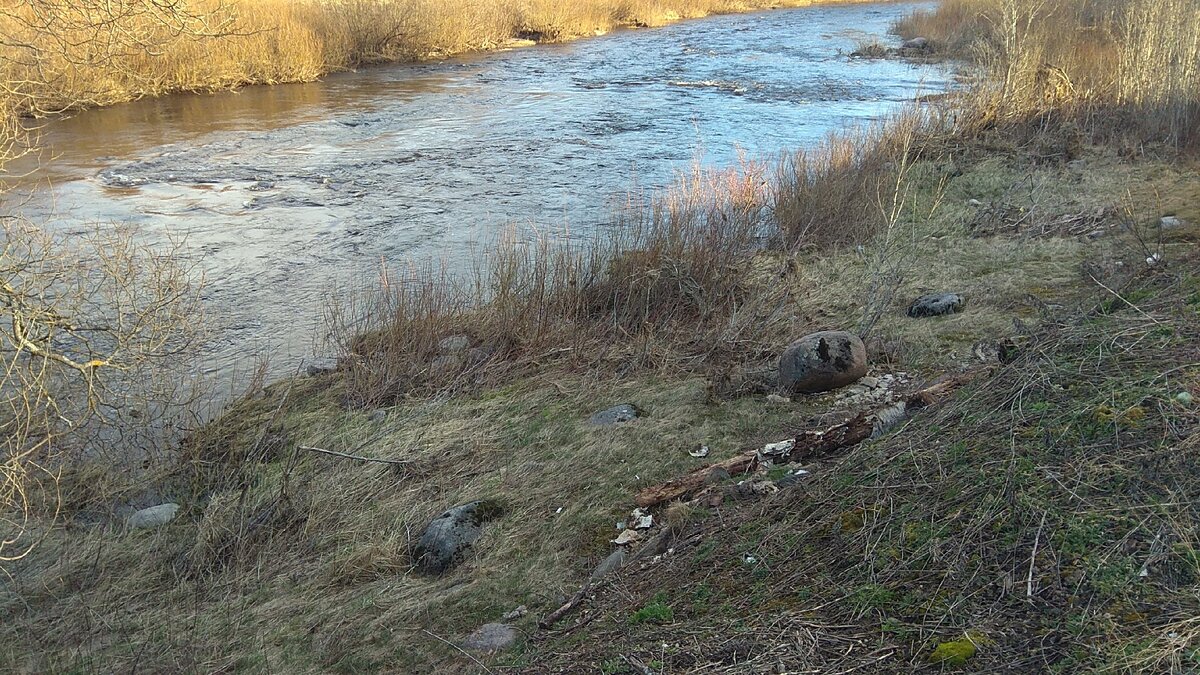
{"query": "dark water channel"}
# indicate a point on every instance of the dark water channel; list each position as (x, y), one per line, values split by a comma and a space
(283, 191)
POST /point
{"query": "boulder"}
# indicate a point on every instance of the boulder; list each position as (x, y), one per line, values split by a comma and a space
(450, 534)
(615, 415)
(454, 344)
(936, 304)
(155, 516)
(822, 361)
(491, 638)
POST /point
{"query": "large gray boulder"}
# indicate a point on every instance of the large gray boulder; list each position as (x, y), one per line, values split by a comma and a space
(450, 534)
(822, 362)
(936, 304)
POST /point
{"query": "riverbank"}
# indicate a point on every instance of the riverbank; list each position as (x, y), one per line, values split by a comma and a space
(1036, 512)
(207, 46)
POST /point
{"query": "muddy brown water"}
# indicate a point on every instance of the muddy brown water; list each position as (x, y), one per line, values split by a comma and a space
(285, 192)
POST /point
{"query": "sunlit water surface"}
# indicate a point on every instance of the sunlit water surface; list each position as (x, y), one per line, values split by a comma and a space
(283, 192)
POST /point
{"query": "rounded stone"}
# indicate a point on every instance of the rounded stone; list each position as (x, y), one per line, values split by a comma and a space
(822, 362)
(936, 304)
(155, 516)
(616, 415)
(491, 638)
(450, 534)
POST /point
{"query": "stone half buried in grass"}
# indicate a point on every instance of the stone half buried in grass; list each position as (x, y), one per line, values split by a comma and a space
(491, 638)
(615, 415)
(822, 362)
(450, 534)
(155, 516)
(936, 304)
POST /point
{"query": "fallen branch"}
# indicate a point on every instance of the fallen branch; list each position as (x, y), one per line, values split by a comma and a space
(553, 617)
(396, 462)
(808, 445)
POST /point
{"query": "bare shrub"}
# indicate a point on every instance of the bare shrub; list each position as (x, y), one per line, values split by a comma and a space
(675, 281)
(95, 334)
(1111, 67)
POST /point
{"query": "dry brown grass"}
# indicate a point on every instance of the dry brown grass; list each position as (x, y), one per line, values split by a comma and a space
(1110, 67)
(69, 60)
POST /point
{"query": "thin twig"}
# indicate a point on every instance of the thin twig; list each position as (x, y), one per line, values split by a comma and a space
(1037, 539)
(460, 649)
(397, 462)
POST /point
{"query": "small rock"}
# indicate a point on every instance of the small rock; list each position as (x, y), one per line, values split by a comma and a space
(155, 516)
(1096, 234)
(451, 533)
(611, 564)
(974, 202)
(822, 361)
(491, 638)
(315, 370)
(378, 415)
(792, 479)
(1170, 222)
(516, 613)
(936, 304)
(918, 43)
(454, 344)
(1185, 398)
(699, 452)
(616, 415)
(870, 382)
(626, 537)
(776, 398)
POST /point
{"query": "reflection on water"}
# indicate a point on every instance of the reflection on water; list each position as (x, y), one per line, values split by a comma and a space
(283, 191)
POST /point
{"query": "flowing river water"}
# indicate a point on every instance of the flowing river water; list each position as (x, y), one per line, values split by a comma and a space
(283, 192)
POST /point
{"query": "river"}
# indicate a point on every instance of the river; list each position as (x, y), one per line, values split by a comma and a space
(283, 192)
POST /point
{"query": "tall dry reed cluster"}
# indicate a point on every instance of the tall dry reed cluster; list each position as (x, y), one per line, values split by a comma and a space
(1111, 67)
(59, 54)
(695, 279)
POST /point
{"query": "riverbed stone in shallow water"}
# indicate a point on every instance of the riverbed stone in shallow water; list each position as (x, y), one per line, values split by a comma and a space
(491, 638)
(155, 516)
(450, 534)
(615, 415)
(822, 362)
(936, 304)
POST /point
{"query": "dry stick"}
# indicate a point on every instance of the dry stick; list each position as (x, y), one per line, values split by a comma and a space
(808, 445)
(553, 617)
(460, 649)
(1033, 557)
(398, 462)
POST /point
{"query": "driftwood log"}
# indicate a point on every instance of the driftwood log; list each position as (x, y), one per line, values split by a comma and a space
(809, 445)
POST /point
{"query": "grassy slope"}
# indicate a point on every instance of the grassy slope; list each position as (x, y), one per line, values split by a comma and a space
(914, 539)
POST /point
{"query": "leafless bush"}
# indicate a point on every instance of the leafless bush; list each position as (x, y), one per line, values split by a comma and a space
(95, 334)
(674, 282)
(1112, 67)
